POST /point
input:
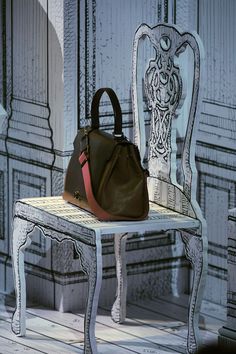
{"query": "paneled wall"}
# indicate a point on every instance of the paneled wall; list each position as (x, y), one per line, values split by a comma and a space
(57, 54)
(34, 67)
(217, 146)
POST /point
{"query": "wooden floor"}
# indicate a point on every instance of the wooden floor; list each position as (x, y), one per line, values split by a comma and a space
(152, 327)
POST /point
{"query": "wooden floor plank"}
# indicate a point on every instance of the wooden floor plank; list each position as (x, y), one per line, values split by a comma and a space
(208, 308)
(54, 330)
(212, 316)
(76, 323)
(108, 348)
(169, 310)
(152, 326)
(132, 335)
(141, 332)
(149, 317)
(179, 328)
(8, 346)
(37, 341)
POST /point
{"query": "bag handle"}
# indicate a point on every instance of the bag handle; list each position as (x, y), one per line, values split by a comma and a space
(116, 108)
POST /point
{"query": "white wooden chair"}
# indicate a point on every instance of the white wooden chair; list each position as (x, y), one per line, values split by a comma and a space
(171, 206)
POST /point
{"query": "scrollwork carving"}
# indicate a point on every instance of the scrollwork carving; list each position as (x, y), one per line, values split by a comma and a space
(163, 86)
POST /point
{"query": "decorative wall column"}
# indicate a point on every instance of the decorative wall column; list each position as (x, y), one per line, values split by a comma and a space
(39, 134)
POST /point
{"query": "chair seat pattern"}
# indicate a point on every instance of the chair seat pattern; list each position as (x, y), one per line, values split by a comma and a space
(63, 215)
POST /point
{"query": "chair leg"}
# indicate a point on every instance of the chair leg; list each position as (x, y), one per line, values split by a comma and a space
(91, 263)
(118, 312)
(196, 252)
(21, 229)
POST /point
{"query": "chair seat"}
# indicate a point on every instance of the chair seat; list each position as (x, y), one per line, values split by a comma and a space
(65, 217)
(62, 221)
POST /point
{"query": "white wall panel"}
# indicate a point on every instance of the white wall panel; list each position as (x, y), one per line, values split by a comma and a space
(216, 151)
(29, 50)
(217, 29)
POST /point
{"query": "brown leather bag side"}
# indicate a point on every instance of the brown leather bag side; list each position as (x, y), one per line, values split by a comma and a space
(117, 187)
(123, 187)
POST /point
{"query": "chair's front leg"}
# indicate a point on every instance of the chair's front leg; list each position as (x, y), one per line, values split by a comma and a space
(91, 263)
(21, 230)
(196, 252)
(118, 312)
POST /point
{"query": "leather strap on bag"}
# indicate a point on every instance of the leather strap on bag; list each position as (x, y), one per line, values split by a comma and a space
(116, 107)
(95, 207)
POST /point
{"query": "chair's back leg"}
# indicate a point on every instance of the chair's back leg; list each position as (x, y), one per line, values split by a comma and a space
(118, 312)
(196, 252)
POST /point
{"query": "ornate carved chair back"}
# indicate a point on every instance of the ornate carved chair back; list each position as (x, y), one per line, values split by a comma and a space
(164, 92)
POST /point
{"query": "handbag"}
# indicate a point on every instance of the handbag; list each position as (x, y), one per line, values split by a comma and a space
(105, 175)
